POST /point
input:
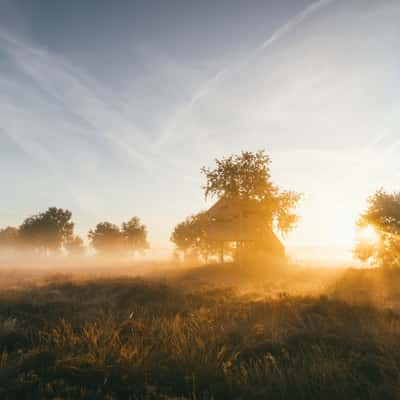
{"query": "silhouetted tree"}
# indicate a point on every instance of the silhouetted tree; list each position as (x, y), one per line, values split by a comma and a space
(238, 177)
(134, 235)
(48, 231)
(383, 215)
(108, 238)
(190, 238)
(248, 176)
(75, 246)
(188, 235)
(9, 237)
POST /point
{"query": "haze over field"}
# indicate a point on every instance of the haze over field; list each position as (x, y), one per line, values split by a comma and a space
(111, 110)
(199, 199)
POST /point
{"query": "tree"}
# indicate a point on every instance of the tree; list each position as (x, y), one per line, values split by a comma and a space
(109, 238)
(190, 238)
(244, 177)
(383, 217)
(48, 231)
(134, 235)
(9, 238)
(75, 246)
(248, 176)
(106, 238)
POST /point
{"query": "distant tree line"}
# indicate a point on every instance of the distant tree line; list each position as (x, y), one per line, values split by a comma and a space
(245, 176)
(52, 232)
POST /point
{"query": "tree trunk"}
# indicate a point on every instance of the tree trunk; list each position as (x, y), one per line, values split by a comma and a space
(221, 254)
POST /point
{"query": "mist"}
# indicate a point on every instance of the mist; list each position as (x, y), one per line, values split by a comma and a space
(199, 200)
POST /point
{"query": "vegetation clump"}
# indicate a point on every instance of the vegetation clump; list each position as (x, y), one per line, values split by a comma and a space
(382, 217)
(130, 338)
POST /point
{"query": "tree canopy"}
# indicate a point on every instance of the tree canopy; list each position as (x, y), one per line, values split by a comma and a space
(190, 238)
(75, 246)
(48, 231)
(248, 176)
(108, 238)
(9, 238)
(134, 235)
(383, 216)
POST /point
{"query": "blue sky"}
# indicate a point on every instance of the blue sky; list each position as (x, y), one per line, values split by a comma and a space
(110, 109)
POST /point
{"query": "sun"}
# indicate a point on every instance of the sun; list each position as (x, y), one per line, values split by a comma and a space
(367, 234)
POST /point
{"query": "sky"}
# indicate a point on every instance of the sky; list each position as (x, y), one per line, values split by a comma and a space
(110, 109)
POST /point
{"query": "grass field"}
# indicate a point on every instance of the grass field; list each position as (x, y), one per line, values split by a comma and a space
(208, 333)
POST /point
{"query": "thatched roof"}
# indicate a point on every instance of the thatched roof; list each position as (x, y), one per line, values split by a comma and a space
(226, 208)
(240, 220)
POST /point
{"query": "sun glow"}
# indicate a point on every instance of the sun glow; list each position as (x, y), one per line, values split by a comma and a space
(367, 234)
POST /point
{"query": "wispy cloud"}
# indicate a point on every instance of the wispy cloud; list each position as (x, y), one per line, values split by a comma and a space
(295, 21)
(212, 83)
(83, 138)
(77, 94)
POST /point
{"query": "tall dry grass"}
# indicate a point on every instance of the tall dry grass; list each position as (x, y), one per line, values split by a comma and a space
(181, 338)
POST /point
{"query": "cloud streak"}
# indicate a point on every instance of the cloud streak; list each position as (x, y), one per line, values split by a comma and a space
(293, 22)
(212, 83)
(77, 94)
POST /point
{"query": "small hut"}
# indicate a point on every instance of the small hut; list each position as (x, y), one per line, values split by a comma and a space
(241, 221)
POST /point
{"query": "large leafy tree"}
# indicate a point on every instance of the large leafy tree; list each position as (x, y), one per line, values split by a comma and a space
(248, 176)
(47, 232)
(245, 176)
(383, 216)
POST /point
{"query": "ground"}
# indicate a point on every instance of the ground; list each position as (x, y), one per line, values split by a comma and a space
(208, 333)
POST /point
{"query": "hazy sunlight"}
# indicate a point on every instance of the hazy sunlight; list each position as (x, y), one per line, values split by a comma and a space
(367, 234)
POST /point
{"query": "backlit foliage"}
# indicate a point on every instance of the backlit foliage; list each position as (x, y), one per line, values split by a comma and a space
(383, 215)
(248, 176)
(48, 231)
(190, 238)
